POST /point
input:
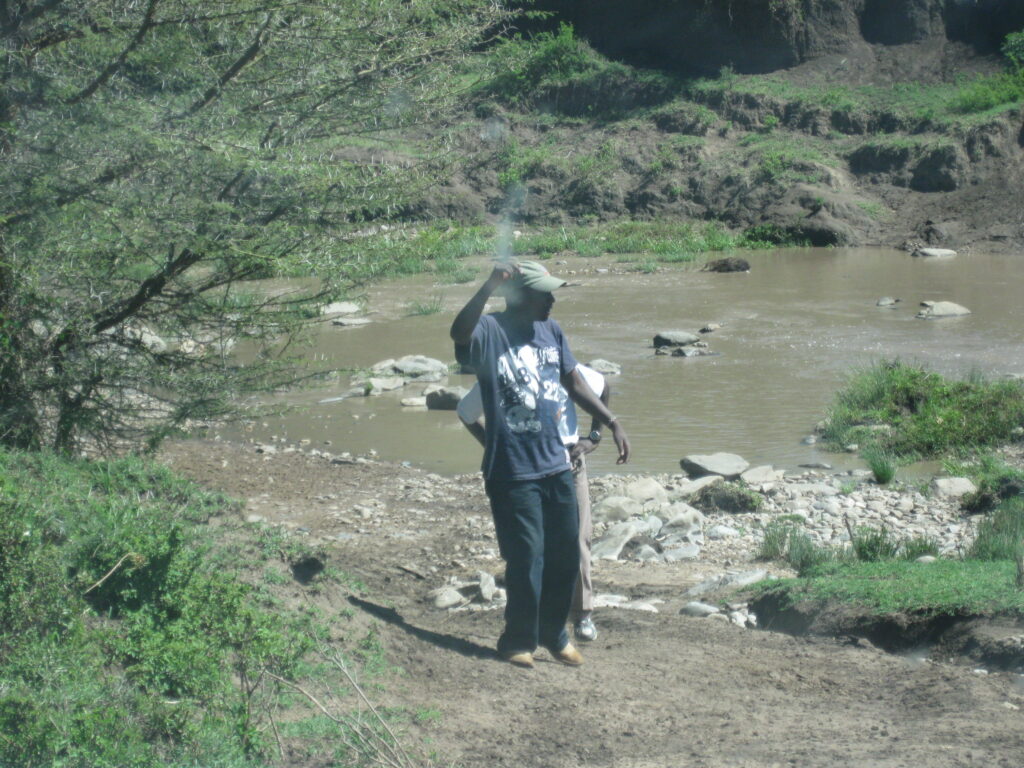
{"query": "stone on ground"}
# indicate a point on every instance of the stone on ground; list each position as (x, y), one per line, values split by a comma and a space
(728, 465)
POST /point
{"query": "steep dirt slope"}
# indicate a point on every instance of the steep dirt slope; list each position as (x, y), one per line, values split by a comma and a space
(701, 36)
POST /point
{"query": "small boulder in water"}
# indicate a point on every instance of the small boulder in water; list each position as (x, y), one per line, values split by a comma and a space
(729, 264)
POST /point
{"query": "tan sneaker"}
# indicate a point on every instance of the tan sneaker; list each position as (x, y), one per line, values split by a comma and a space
(569, 655)
(520, 659)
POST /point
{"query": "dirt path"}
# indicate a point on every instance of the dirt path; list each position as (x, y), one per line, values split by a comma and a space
(656, 690)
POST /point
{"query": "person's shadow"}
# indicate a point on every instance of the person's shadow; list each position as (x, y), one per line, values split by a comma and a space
(448, 642)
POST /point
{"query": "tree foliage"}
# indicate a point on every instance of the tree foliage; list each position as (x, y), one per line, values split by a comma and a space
(157, 156)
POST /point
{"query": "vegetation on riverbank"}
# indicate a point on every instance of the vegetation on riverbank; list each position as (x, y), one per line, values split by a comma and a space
(140, 626)
(944, 587)
(909, 412)
(879, 571)
(898, 412)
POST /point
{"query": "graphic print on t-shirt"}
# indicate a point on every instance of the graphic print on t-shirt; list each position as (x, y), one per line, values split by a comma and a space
(525, 374)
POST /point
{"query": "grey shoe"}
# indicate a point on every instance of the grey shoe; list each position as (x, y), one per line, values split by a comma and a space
(585, 630)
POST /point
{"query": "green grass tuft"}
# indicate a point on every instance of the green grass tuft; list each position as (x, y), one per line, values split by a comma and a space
(951, 587)
(906, 411)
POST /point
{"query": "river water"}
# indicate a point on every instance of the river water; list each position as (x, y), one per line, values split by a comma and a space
(792, 329)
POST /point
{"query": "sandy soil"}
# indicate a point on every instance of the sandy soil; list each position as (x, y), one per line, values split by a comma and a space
(656, 689)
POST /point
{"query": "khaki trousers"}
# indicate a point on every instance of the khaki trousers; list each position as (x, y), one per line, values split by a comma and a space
(583, 599)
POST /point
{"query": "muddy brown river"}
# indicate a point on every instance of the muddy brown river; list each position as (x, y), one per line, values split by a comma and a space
(791, 330)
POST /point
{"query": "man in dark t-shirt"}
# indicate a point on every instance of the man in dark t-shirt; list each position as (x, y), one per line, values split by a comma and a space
(526, 369)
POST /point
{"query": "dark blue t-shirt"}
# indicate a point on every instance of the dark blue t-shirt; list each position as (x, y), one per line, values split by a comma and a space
(520, 371)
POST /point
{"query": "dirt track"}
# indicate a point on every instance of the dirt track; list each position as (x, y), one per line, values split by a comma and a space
(656, 690)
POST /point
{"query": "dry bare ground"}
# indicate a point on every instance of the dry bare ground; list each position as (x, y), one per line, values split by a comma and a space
(656, 689)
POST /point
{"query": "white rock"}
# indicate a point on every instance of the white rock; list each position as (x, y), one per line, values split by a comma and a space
(719, 532)
(375, 385)
(646, 489)
(420, 367)
(609, 547)
(446, 597)
(728, 465)
(605, 367)
(696, 608)
(935, 253)
(616, 508)
(952, 487)
(692, 487)
(936, 309)
(761, 475)
(487, 586)
(341, 308)
(351, 322)
(681, 518)
(685, 552)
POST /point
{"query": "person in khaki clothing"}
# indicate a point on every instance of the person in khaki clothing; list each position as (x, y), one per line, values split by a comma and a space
(470, 412)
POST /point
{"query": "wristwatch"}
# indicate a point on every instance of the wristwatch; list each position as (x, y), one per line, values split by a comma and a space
(594, 437)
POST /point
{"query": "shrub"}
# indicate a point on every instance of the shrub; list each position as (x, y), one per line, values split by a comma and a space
(1013, 49)
(107, 594)
(907, 411)
(996, 481)
(786, 542)
(1001, 534)
(871, 545)
(881, 464)
(919, 546)
(773, 545)
(985, 93)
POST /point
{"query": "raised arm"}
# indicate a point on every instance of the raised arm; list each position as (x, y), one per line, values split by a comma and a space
(584, 397)
(464, 323)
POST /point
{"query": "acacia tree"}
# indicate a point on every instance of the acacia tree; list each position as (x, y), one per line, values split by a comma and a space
(158, 155)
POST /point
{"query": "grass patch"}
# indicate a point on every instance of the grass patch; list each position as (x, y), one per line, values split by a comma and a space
(663, 241)
(1001, 534)
(907, 411)
(431, 305)
(559, 73)
(138, 627)
(906, 105)
(881, 463)
(950, 587)
(996, 481)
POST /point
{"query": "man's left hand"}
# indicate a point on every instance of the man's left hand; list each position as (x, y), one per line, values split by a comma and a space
(583, 446)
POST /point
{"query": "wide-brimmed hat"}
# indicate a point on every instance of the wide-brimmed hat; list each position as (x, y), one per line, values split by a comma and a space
(531, 274)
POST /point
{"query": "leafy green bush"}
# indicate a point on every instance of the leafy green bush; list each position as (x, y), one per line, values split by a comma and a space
(909, 412)
(988, 92)
(1013, 49)
(108, 594)
(562, 74)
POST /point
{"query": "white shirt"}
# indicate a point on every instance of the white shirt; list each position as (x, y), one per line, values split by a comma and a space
(471, 407)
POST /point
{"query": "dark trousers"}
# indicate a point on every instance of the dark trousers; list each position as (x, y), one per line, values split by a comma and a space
(538, 535)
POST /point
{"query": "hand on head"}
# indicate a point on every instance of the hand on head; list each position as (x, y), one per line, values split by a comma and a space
(504, 270)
